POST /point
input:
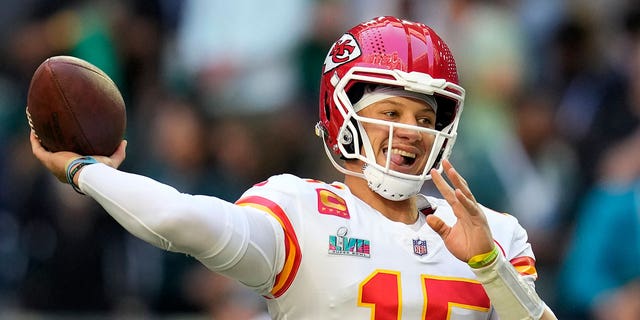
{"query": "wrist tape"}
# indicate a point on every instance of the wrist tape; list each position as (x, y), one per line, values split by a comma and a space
(510, 295)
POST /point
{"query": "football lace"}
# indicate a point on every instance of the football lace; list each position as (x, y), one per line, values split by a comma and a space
(31, 123)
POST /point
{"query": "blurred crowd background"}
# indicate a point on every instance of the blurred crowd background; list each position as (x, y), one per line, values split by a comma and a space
(222, 94)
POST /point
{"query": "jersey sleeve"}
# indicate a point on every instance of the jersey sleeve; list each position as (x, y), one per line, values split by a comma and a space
(236, 241)
(513, 241)
(522, 257)
(279, 197)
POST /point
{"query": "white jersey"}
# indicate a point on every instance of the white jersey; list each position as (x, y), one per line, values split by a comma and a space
(313, 249)
(345, 260)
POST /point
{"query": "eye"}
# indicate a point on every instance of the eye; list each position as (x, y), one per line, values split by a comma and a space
(428, 122)
(390, 114)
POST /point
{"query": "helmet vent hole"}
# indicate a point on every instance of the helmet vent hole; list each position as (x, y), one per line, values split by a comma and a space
(448, 61)
(375, 41)
(379, 42)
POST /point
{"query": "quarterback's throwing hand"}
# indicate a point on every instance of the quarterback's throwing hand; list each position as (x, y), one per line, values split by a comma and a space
(57, 162)
(470, 235)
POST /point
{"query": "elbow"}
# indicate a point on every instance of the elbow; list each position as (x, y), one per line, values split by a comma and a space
(178, 223)
(200, 226)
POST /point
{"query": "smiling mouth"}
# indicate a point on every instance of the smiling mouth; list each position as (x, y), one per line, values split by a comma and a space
(401, 157)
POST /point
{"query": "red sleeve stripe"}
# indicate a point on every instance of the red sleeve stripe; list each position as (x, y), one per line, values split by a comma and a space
(293, 255)
(526, 266)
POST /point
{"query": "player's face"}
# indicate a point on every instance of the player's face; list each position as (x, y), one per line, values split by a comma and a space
(410, 148)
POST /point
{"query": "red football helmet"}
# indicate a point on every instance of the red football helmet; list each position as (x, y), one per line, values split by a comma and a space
(392, 52)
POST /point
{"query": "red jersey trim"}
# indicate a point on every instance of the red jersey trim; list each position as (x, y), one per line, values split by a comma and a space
(526, 266)
(293, 254)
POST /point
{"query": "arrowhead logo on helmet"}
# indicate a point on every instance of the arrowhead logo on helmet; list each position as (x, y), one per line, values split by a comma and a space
(342, 51)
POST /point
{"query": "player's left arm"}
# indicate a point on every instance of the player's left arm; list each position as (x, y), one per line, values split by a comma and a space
(471, 241)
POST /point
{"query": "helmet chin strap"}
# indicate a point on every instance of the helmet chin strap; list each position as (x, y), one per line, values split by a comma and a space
(391, 187)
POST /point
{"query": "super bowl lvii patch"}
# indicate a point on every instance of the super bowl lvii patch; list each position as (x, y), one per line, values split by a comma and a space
(340, 244)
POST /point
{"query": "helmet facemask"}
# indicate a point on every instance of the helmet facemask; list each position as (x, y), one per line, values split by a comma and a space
(354, 144)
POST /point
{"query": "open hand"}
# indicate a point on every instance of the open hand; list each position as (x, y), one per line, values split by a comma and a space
(470, 235)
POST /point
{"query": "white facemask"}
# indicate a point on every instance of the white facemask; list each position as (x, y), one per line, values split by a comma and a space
(388, 186)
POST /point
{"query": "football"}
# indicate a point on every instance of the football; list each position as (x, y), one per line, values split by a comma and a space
(72, 105)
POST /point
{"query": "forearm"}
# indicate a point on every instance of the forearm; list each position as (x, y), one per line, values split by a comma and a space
(137, 203)
(216, 232)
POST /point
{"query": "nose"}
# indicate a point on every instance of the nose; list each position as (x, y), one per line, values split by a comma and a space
(408, 134)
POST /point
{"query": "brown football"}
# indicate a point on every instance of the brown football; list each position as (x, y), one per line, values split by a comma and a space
(72, 105)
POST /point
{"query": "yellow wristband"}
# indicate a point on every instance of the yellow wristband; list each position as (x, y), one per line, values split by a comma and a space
(484, 259)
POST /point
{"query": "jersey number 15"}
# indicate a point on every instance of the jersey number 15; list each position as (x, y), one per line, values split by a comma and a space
(381, 291)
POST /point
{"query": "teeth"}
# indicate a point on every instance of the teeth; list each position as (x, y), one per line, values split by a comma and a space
(403, 153)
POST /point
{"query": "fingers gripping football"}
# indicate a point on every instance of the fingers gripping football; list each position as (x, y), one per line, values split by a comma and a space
(57, 162)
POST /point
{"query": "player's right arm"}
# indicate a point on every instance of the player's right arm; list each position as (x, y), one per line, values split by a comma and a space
(241, 242)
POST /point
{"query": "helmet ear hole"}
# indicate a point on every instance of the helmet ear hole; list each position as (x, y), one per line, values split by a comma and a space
(349, 136)
(346, 139)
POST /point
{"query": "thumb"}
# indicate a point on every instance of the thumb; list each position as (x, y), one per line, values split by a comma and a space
(438, 225)
(118, 156)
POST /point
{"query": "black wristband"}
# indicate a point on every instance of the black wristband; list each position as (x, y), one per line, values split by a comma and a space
(75, 166)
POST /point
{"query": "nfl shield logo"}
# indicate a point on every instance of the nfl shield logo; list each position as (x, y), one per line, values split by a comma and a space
(420, 247)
